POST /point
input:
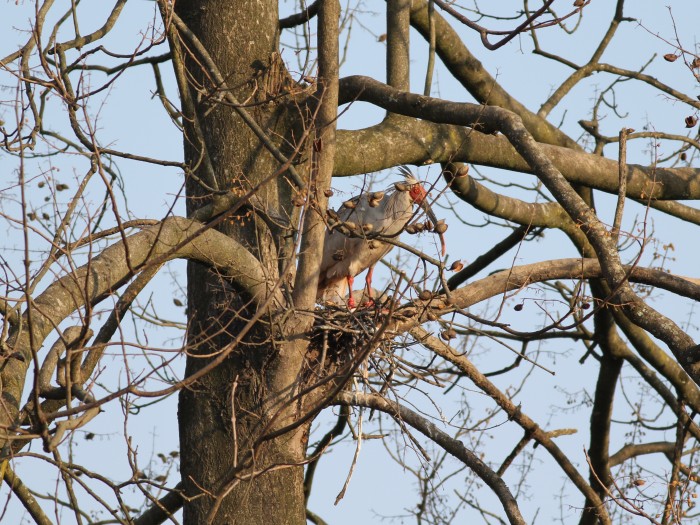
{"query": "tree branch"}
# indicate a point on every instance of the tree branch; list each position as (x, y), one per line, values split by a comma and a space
(173, 238)
(448, 443)
(300, 18)
(163, 509)
(515, 413)
(421, 142)
(398, 44)
(24, 495)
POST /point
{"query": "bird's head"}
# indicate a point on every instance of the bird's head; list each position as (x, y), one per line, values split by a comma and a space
(418, 195)
(415, 188)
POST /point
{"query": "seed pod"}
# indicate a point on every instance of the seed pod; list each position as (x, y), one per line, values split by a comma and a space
(338, 255)
(411, 228)
(328, 193)
(431, 316)
(367, 228)
(332, 215)
(690, 121)
(419, 227)
(425, 295)
(518, 307)
(456, 266)
(428, 226)
(670, 57)
(373, 245)
(402, 186)
(373, 203)
(350, 205)
(298, 201)
(376, 196)
(463, 171)
(350, 225)
(448, 334)
(440, 227)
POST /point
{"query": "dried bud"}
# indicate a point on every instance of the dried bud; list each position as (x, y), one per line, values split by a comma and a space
(377, 195)
(639, 482)
(670, 57)
(428, 226)
(431, 316)
(419, 227)
(695, 64)
(425, 295)
(448, 334)
(298, 201)
(518, 307)
(585, 306)
(328, 193)
(690, 121)
(456, 266)
(61, 187)
(373, 245)
(684, 156)
(350, 225)
(579, 3)
(463, 171)
(402, 186)
(411, 228)
(367, 228)
(373, 203)
(338, 255)
(440, 227)
(350, 205)
(332, 216)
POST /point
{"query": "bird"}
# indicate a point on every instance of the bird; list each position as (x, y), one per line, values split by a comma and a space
(353, 240)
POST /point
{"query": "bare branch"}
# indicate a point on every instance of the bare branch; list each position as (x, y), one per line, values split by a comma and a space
(451, 445)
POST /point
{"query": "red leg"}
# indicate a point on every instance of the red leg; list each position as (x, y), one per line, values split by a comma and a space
(351, 301)
(368, 287)
(368, 280)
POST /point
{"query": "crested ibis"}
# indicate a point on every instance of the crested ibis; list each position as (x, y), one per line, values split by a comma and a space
(355, 244)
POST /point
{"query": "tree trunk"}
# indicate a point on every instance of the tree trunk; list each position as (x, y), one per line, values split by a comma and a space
(223, 415)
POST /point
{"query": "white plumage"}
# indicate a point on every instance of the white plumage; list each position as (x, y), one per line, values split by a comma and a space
(366, 218)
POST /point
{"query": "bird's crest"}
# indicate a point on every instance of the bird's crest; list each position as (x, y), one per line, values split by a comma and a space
(410, 179)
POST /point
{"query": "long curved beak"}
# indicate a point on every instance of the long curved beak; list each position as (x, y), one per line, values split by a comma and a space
(431, 215)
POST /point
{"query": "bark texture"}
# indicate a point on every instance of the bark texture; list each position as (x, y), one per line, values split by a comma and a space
(223, 415)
